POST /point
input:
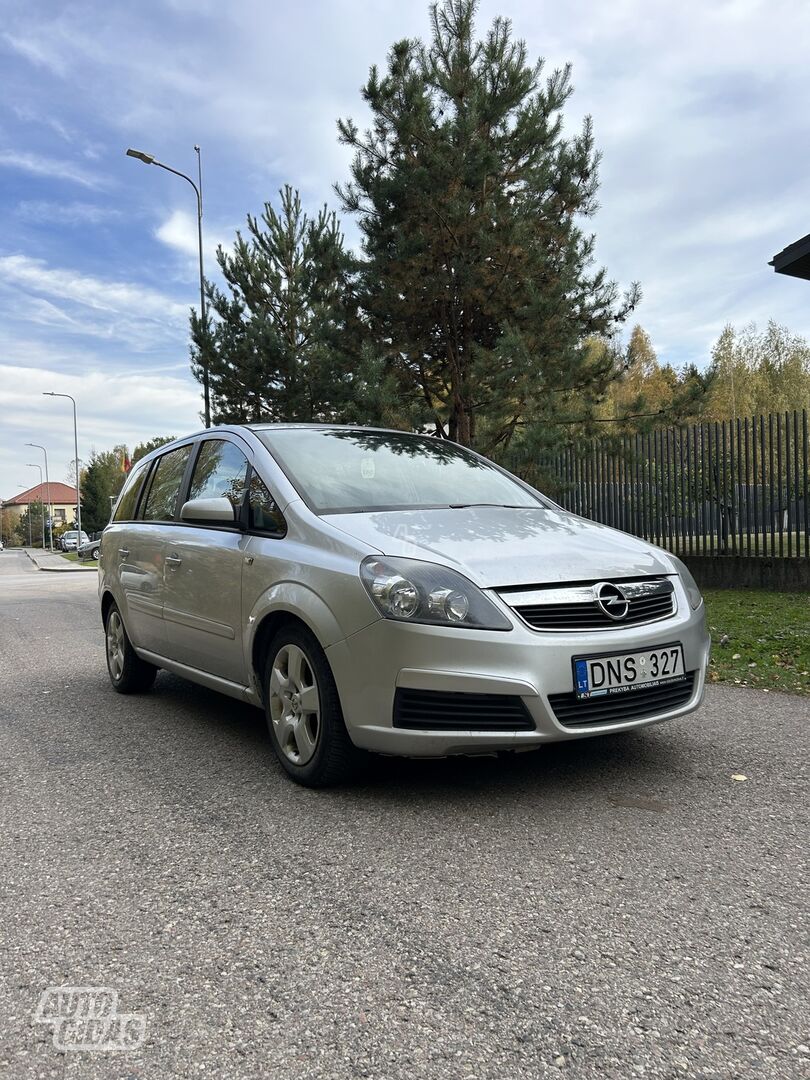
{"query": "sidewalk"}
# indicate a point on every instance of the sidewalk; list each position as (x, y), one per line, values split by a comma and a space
(44, 560)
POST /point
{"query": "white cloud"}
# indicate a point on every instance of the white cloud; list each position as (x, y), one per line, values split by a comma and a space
(91, 292)
(112, 408)
(179, 232)
(114, 324)
(27, 115)
(45, 212)
(37, 50)
(52, 168)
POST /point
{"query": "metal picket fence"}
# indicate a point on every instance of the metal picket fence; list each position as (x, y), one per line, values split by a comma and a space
(733, 487)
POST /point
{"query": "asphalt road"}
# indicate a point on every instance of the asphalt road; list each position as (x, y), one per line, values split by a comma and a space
(612, 908)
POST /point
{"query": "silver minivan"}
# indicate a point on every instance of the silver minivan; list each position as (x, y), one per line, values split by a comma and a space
(383, 591)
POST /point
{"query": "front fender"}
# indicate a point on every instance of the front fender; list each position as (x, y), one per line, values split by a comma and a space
(305, 604)
(298, 600)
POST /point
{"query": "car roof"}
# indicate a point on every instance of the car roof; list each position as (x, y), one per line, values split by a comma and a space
(329, 427)
(256, 428)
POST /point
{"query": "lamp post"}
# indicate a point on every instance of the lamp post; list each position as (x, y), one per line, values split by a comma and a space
(50, 393)
(150, 159)
(48, 491)
(28, 465)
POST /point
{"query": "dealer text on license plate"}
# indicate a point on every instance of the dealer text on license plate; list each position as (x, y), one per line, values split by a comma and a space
(596, 676)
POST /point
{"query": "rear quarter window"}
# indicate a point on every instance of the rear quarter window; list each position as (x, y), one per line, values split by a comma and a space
(128, 500)
(265, 515)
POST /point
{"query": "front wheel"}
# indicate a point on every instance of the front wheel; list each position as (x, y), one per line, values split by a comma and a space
(303, 712)
(128, 673)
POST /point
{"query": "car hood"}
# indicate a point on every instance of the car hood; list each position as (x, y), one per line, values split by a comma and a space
(499, 546)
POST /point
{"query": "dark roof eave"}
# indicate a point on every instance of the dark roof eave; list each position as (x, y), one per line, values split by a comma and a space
(794, 260)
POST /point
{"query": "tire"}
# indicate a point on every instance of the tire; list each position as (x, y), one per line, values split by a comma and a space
(128, 673)
(303, 712)
(96, 553)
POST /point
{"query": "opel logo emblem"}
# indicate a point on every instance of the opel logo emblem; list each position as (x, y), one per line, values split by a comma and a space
(611, 600)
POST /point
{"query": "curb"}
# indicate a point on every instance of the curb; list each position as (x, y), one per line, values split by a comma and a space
(59, 569)
(68, 570)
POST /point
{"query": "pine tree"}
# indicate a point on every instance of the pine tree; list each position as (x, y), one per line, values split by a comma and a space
(29, 525)
(478, 278)
(279, 346)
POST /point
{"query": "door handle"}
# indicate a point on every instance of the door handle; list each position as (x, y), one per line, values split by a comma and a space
(173, 559)
(123, 552)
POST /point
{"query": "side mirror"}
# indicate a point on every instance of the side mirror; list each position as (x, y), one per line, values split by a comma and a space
(209, 512)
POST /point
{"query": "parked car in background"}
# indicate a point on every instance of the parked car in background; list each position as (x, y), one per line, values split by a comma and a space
(90, 550)
(385, 591)
(69, 540)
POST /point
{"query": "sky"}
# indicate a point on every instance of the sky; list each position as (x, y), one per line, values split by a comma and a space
(699, 110)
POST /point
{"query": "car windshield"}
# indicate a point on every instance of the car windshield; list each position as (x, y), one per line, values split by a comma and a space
(348, 470)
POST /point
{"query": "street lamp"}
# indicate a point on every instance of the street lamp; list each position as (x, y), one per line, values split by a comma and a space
(50, 393)
(48, 490)
(150, 159)
(28, 465)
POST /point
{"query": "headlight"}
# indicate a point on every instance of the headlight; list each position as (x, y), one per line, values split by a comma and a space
(689, 584)
(419, 592)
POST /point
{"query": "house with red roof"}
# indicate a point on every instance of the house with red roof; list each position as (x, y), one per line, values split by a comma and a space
(61, 497)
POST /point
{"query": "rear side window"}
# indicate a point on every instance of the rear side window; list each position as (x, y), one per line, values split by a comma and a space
(161, 502)
(220, 473)
(125, 510)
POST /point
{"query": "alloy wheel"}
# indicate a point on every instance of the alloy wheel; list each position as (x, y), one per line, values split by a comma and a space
(115, 645)
(295, 707)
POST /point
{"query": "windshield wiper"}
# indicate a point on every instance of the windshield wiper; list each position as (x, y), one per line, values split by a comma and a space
(502, 506)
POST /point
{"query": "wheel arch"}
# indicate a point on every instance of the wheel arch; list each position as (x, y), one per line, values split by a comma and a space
(107, 601)
(288, 603)
(267, 629)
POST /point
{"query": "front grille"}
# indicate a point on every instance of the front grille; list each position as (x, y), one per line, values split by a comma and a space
(576, 608)
(439, 710)
(591, 617)
(616, 708)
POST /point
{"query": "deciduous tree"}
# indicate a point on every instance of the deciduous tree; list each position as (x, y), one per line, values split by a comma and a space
(648, 394)
(759, 371)
(102, 479)
(144, 448)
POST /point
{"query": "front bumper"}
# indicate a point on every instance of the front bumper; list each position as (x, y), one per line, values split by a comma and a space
(370, 666)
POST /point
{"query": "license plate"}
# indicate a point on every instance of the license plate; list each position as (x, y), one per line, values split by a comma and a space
(621, 673)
